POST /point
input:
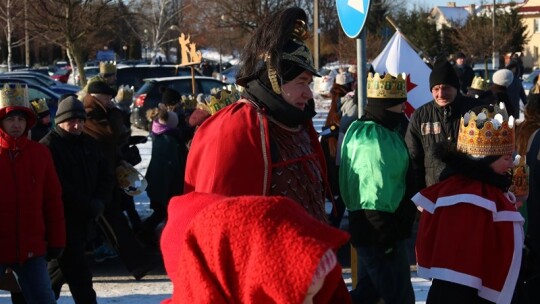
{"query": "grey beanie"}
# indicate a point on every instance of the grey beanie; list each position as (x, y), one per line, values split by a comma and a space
(69, 108)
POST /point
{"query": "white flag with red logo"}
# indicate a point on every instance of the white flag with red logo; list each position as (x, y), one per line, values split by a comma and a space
(399, 57)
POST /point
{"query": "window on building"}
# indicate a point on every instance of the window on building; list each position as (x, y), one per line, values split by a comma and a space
(537, 25)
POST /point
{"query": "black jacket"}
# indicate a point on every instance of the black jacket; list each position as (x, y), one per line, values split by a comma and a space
(81, 168)
(431, 124)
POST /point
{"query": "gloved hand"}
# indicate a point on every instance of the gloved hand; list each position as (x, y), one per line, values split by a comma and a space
(53, 253)
(125, 94)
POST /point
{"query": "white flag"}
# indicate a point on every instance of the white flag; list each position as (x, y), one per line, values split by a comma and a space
(399, 57)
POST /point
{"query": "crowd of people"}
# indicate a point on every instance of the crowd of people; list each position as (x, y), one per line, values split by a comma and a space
(241, 188)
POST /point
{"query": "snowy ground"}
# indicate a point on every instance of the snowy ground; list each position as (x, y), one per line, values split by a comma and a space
(114, 285)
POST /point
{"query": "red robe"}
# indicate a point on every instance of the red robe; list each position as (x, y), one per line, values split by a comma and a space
(247, 249)
(470, 233)
(230, 153)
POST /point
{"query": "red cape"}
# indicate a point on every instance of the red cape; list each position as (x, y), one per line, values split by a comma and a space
(470, 233)
(230, 153)
(248, 249)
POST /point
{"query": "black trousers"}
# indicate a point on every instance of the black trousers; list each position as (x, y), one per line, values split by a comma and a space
(121, 236)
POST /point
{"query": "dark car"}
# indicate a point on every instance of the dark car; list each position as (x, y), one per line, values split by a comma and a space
(134, 75)
(58, 87)
(148, 96)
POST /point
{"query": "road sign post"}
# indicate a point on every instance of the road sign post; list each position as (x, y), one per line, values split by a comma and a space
(352, 16)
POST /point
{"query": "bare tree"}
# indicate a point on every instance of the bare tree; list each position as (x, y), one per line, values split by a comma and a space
(11, 13)
(70, 24)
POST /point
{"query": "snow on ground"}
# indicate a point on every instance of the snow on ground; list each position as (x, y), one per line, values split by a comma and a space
(114, 285)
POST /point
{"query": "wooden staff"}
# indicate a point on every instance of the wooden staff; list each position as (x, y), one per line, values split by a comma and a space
(416, 49)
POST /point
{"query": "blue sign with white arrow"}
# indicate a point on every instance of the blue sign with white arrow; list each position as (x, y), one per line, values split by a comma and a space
(352, 15)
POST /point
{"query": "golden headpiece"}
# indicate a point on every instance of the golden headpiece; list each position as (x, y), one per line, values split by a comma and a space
(40, 106)
(107, 67)
(14, 96)
(487, 133)
(213, 105)
(387, 87)
(478, 83)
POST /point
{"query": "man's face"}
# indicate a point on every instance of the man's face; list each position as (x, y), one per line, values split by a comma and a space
(14, 125)
(443, 94)
(460, 61)
(74, 126)
(297, 92)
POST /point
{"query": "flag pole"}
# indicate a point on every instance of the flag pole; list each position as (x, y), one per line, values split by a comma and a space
(416, 49)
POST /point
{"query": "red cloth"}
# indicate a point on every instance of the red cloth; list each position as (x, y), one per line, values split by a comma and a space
(470, 233)
(31, 209)
(248, 249)
(230, 153)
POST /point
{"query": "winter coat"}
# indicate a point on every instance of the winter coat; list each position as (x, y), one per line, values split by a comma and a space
(375, 177)
(31, 210)
(231, 153)
(106, 126)
(39, 131)
(431, 124)
(465, 74)
(165, 173)
(82, 171)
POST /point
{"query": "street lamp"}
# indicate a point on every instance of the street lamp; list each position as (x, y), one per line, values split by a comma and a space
(145, 45)
(125, 51)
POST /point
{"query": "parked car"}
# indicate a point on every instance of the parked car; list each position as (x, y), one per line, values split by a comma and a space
(528, 82)
(148, 96)
(61, 75)
(58, 87)
(229, 75)
(482, 72)
(134, 75)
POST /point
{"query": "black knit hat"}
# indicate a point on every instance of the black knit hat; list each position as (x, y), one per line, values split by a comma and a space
(169, 96)
(69, 108)
(443, 73)
(100, 87)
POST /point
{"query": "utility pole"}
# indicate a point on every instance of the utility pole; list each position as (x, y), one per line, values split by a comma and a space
(316, 33)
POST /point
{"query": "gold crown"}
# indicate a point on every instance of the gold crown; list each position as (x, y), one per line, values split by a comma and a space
(520, 178)
(106, 67)
(478, 83)
(386, 87)
(189, 102)
(488, 133)
(14, 97)
(39, 105)
(226, 98)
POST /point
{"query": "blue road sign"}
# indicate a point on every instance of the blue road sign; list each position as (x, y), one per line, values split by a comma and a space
(352, 15)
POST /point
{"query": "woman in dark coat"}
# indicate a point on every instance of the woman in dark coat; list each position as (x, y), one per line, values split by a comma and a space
(165, 173)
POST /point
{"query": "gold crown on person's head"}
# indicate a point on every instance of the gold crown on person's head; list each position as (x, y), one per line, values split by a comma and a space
(107, 67)
(487, 133)
(39, 105)
(478, 83)
(14, 96)
(386, 87)
(213, 105)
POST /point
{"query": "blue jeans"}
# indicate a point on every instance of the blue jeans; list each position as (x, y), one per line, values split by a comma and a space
(33, 279)
(383, 277)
